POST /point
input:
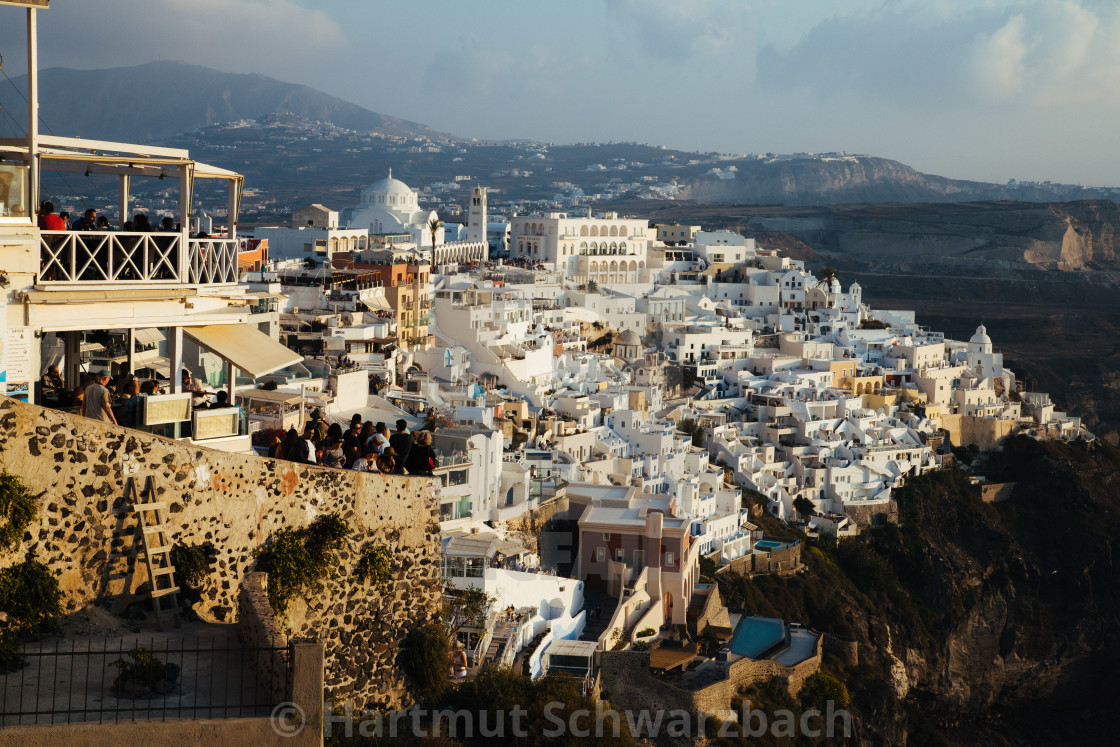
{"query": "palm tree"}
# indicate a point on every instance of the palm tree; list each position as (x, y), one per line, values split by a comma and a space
(435, 225)
(828, 274)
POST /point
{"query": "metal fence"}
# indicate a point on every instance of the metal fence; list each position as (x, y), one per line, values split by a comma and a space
(75, 681)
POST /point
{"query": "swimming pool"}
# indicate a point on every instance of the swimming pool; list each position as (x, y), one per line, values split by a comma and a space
(757, 635)
(768, 544)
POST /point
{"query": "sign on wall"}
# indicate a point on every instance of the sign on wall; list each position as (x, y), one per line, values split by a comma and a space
(17, 363)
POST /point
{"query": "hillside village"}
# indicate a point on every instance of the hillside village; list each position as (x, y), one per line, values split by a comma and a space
(611, 407)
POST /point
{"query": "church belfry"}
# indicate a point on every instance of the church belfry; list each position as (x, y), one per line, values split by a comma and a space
(476, 215)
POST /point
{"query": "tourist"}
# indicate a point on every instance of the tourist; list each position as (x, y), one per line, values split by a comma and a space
(97, 401)
(65, 215)
(48, 221)
(320, 425)
(366, 434)
(222, 400)
(88, 221)
(274, 450)
(387, 462)
(149, 387)
(421, 460)
(200, 398)
(367, 462)
(53, 389)
(310, 438)
(351, 442)
(332, 453)
(380, 437)
(141, 224)
(167, 224)
(103, 223)
(291, 448)
(459, 662)
(401, 442)
(131, 406)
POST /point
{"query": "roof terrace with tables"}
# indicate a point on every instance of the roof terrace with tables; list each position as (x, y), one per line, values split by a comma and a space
(59, 284)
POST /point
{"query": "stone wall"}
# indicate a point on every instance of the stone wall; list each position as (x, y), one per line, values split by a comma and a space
(257, 627)
(626, 676)
(872, 514)
(87, 534)
(782, 561)
(997, 492)
(845, 649)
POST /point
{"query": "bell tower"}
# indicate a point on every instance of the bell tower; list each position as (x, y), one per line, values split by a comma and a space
(476, 215)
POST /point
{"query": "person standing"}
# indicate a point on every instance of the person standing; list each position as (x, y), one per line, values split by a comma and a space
(401, 442)
(421, 459)
(98, 402)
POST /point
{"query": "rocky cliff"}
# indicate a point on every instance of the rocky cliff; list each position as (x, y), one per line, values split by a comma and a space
(978, 623)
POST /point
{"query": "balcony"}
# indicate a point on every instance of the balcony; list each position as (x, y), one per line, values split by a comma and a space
(98, 258)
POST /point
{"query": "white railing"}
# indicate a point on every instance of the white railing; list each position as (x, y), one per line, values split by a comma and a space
(212, 261)
(102, 257)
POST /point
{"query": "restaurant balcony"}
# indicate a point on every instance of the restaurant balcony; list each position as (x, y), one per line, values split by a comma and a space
(88, 259)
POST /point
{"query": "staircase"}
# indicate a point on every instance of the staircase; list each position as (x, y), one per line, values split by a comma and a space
(595, 625)
(157, 551)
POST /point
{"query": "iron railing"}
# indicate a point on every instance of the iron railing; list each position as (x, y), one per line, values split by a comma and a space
(74, 681)
(100, 257)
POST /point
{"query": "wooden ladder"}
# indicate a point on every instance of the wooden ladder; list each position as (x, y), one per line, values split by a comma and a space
(157, 552)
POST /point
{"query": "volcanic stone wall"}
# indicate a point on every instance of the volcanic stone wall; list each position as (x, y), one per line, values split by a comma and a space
(87, 533)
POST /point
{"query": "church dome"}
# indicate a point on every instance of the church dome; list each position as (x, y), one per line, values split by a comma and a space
(981, 336)
(390, 193)
(629, 337)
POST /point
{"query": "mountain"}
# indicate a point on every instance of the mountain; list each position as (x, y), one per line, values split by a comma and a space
(833, 179)
(153, 102)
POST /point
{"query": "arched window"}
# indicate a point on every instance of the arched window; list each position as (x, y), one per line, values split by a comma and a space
(583, 230)
(633, 266)
(603, 231)
(594, 230)
(622, 247)
(622, 230)
(594, 268)
(583, 247)
(614, 247)
(614, 230)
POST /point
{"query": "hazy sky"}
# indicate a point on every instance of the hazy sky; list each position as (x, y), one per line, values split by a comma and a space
(981, 89)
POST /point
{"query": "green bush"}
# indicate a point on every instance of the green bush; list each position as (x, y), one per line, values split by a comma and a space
(30, 595)
(646, 632)
(375, 565)
(297, 560)
(11, 659)
(192, 563)
(17, 509)
(820, 688)
(429, 661)
(142, 674)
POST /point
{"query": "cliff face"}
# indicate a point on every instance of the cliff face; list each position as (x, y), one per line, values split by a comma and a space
(977, 623)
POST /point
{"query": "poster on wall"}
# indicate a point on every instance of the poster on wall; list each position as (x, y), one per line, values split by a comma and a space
(17, 362)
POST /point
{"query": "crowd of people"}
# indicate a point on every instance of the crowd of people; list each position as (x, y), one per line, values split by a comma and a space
(117, 400)
(48, 220)
(363, 446)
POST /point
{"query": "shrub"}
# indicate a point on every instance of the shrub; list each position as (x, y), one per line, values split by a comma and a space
(192, 563)
(30, 595)
(429, 661)
(142, 675)
(17, 509)
(375, 565)
(646, 632)
(820, 688)
(297, 560)
(11, 659)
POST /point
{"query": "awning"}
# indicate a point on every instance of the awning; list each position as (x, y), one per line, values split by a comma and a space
(374, 299)
(274, 396)
(245, 347)
(149, 336)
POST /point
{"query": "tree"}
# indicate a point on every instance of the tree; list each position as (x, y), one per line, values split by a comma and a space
(803, 506)
(592, 286)
(435, 225)
(465, 607)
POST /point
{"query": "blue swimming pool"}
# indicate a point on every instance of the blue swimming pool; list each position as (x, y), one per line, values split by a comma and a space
(757, 635)
(767, 544)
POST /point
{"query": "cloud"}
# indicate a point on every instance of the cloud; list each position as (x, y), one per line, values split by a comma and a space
(669, 29)
(1023, 55)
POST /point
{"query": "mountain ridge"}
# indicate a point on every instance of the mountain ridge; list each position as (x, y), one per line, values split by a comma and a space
(203, 96)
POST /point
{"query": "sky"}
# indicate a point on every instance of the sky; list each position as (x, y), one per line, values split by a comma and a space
(972, 89)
